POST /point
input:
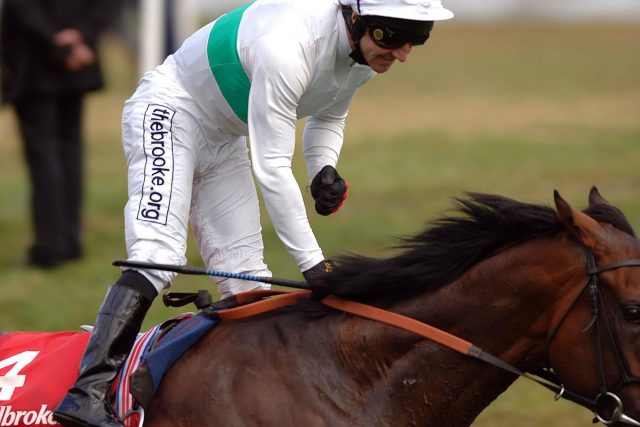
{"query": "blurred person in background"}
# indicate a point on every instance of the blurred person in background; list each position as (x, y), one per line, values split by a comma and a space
(48, 64)
(251, 73)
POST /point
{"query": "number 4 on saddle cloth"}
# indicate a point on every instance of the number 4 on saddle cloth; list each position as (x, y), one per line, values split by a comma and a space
(37, 369)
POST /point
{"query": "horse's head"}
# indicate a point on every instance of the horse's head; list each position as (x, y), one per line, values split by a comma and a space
(594, 347)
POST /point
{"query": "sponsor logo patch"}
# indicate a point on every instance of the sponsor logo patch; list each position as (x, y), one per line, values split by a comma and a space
(41, 417)
(158, 170)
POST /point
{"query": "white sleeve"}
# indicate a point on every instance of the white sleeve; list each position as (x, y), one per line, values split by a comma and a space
(280, 73)
(323, 137)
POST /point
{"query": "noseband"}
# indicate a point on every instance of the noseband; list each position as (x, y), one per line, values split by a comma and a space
(599, 321)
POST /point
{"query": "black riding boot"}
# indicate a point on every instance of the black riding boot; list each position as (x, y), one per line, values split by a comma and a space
(117, 325)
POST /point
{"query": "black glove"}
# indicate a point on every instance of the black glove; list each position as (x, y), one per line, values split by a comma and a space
(314, 275)
(329, 190)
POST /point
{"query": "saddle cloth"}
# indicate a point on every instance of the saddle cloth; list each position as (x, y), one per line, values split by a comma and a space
(38, 368)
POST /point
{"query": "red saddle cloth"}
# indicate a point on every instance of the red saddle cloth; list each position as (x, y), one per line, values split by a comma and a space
(36, 370)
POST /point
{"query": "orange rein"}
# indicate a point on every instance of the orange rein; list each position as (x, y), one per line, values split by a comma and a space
(282, 298)
(278, 299)
(400, 321)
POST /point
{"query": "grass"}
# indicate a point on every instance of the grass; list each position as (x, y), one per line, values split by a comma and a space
(518, 110)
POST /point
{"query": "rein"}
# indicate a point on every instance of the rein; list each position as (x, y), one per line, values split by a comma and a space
(263, 301)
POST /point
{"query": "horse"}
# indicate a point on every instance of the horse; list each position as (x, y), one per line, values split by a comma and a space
(544, 290)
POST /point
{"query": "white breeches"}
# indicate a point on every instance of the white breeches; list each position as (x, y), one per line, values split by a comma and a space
(179, 170)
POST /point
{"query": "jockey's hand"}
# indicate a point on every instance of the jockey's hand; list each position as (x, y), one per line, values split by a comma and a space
(314, 275)
(329, 190)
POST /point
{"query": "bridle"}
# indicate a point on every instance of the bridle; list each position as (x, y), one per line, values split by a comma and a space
(599, 322)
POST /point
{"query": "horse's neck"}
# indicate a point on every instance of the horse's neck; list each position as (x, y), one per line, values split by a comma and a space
(501, 305)
(504, 301)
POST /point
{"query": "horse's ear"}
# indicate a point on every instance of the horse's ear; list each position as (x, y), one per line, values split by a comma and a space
(580, 225)
(595, 198)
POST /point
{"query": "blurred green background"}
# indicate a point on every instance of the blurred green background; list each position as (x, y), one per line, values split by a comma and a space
(513, 109)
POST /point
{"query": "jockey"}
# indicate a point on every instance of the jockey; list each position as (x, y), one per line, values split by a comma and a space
(251, 73)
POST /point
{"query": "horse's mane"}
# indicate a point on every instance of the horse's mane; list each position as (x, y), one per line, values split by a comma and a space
(481, 225)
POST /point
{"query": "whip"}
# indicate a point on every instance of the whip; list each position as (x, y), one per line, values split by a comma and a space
(185, 269)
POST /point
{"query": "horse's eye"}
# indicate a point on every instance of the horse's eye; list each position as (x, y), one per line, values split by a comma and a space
(631, 313)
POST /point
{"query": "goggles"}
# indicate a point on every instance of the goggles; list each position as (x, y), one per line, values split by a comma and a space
(388, 37)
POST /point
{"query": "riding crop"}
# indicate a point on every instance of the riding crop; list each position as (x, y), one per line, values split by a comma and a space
(185, 269)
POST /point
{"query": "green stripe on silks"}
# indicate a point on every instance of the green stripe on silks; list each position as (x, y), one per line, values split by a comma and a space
(225, 63)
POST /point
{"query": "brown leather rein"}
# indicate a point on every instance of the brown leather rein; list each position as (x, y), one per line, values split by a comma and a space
(254, 303)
